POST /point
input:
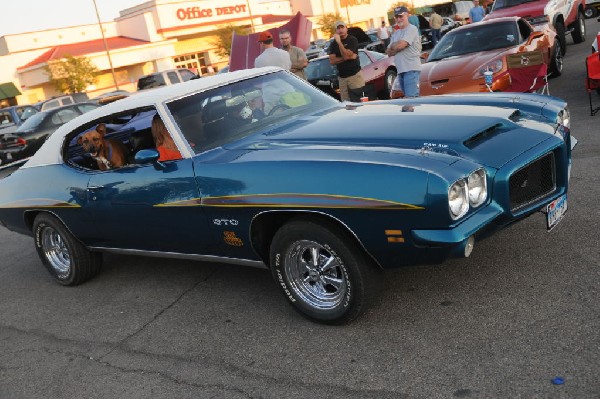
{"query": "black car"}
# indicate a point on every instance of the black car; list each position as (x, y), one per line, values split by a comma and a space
(367, 41)
(30, 136)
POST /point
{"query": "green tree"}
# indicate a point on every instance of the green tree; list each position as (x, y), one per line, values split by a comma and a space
(225, 37)
(71, 74)
(327, 21)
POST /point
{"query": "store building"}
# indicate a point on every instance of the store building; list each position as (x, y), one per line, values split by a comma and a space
(153, 36)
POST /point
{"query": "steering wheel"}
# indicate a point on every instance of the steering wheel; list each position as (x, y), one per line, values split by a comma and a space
(278, 108)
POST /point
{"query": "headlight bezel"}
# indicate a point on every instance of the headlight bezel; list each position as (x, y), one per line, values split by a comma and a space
(458, 191)
(467, 193)
(477, 181)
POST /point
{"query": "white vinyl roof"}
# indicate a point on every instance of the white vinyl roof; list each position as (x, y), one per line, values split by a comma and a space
(50, 152)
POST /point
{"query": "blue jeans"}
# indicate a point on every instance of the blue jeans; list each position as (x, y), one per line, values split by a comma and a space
(436, 35)
(408, 83)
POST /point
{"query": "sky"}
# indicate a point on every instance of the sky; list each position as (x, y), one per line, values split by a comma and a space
(20, 16)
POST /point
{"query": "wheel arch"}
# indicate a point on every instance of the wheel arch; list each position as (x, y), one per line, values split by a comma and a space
(264, 226)
(31, 215)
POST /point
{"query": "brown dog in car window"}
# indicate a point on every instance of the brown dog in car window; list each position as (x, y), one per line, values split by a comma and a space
(109, 153)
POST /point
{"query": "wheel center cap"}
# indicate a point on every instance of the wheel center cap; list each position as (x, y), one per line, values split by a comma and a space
(314, 274)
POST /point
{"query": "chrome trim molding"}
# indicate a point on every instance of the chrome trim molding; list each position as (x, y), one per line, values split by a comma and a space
(176, 255)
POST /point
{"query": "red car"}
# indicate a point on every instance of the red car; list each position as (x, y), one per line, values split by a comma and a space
(378, 69)
(457, 63)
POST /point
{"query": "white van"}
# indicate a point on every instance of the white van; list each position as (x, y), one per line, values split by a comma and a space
(165, 78)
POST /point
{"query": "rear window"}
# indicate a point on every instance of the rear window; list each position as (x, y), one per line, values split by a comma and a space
(151, 81)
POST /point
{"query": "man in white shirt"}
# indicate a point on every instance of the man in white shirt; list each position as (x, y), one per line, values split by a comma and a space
(271, 55)
(384, 34)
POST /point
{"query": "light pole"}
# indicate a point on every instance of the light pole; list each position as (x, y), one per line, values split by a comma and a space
(106, 47)
(251, 18)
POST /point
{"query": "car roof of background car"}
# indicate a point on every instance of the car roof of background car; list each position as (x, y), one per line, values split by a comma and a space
(50, 152)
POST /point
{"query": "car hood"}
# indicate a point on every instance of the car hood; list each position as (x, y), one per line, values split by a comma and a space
(486, 136)
(463, 65)
(525, 10)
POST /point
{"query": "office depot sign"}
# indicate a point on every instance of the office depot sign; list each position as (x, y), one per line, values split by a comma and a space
(191, 13)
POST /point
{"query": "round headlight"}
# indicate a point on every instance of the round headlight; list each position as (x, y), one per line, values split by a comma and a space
(458, 202)
(477, 187)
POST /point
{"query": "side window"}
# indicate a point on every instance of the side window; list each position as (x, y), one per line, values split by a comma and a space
(66, 101)
(86, 107)
(525, 31)
(186, 74)
(26, 112)
(5, 118)
(110, 142)
(364, 59)
(63, 116)
(173, 77)
(50, 104)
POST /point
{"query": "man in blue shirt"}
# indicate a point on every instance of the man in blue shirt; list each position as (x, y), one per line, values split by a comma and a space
(477, 12)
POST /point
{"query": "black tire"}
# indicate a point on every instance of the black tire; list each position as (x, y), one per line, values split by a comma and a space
(336, 294)
(579, 29)
(67, 260)
(590, 12)
(390, 76)
(556, 62)
(560, 35)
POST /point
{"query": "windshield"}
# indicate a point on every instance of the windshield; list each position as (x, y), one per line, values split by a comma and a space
(32, 122)
(498, 4)
(319, 69)
(476, 38)
(216, 117)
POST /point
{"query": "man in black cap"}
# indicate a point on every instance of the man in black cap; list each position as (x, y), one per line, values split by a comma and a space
(343, 53)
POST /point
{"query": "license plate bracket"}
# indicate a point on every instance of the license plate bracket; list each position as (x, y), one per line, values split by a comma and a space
(555, 211)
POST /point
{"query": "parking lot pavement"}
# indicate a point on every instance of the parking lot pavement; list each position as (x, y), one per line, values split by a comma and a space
(522, 310)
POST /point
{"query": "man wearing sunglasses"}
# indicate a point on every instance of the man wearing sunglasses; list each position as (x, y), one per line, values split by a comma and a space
(405, 47)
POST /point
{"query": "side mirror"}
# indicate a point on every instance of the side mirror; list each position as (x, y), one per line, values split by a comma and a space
(534, 35)
(147, 156)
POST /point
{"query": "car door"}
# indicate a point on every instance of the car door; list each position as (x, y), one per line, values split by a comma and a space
(372, 72)
(149, 207)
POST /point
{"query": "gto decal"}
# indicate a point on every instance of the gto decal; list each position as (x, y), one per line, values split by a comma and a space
(225, 222)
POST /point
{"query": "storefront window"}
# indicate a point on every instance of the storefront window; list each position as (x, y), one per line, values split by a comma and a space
(197, 61)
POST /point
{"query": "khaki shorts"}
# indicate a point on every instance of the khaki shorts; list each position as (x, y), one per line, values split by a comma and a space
(355, 81)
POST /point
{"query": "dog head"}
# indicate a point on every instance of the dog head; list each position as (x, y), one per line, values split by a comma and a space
(93, 141)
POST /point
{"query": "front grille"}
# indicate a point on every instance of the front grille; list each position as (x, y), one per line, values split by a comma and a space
(532, 182)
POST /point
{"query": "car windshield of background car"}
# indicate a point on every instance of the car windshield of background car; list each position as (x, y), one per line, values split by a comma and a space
(320, 69)
(32, 122)
(498, 4)
(476, 38)
(260, 105)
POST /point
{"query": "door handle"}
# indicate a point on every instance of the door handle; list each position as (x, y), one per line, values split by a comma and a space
(92, 188)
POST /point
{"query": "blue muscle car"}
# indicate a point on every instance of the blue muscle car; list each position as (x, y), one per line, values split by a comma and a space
(270, 171)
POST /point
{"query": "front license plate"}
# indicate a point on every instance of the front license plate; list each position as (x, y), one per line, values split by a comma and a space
(555, 211)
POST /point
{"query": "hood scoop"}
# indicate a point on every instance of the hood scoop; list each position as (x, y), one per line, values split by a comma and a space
(482, 136)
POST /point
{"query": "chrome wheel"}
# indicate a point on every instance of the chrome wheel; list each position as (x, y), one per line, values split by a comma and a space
(56, 251)
(316, 275)
(67, 259)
